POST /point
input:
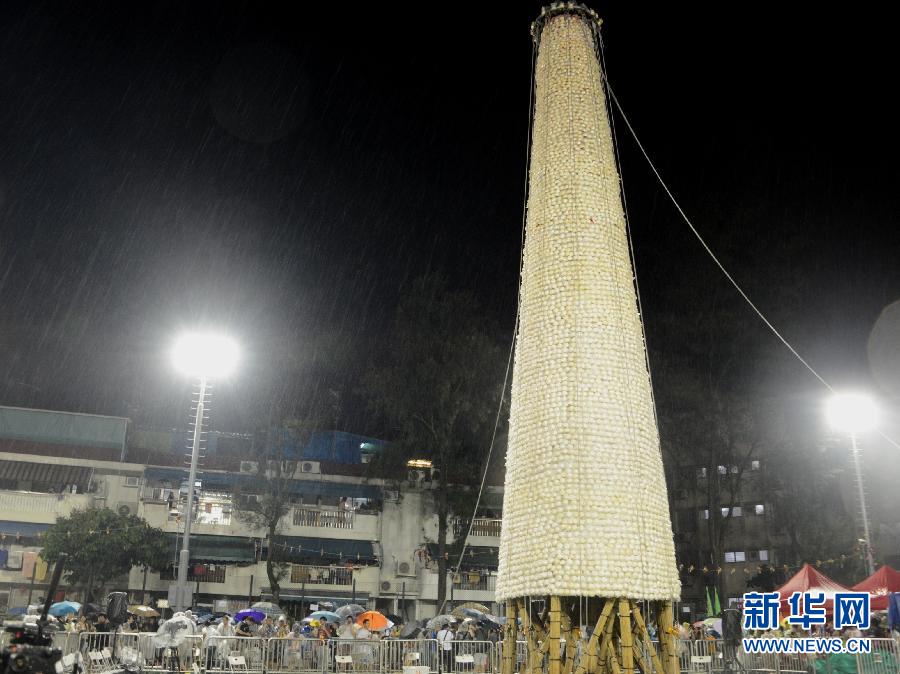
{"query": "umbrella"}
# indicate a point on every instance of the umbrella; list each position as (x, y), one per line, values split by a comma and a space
(173, 632)
(476, 606)
(397, 620)
(376, 620)
(270, 609)
(254, 614)
(143, 611)
(62, 608)
(349, 610)
(328, 616)
(439, 620)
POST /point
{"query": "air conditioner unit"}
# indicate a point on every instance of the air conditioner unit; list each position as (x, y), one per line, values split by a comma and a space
(126, 509)
(405, 569)
(248, 466)
(310, 467)
(385, 585)
(391, 495)
(132, 481)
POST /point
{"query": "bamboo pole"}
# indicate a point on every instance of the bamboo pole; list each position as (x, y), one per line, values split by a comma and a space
(625, 641)
(554, 635)
(612, 659)
(606, 643)
(509, 639)
(641, 628)
(665, 621)
(591, 649)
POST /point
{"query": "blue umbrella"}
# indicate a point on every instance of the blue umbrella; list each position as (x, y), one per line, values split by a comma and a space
(18, 610)
(328, 616)
(255, 615)
(62, 608)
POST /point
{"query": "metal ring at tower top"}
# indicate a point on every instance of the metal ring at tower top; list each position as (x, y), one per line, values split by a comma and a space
(558, 8)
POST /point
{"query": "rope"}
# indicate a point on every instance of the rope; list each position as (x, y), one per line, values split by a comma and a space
(515, 331)
(719, 264)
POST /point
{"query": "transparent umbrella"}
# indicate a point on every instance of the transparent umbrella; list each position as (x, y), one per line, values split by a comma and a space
(270, 609)
(440, 620)
(173, 632)
(350, 610)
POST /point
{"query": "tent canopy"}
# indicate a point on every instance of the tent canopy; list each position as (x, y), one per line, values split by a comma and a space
(880, 584)
(810, 579)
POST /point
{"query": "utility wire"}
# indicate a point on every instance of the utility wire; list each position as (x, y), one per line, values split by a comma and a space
(718, 263)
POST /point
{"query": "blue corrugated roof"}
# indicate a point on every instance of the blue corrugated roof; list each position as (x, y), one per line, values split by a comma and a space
(25, 528)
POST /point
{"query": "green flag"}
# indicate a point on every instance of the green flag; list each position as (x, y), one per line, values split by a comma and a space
(709, 606)
(716, 605)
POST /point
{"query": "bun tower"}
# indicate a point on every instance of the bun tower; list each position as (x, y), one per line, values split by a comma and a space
(586, 541)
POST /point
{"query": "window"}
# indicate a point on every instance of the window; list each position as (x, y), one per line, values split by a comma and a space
(764, 555)
(729, 558)
(759, 509)
(704, 514)
(735, 470)
(723, 470)
(701, 472)
(735, 511)
(754, 465)
(132, 481)
(734, 557)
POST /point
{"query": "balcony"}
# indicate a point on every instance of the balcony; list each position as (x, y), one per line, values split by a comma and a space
(465, 586)
(481, 526)
(321, 575)
(28, 506)
(475, 582)
(328, 519)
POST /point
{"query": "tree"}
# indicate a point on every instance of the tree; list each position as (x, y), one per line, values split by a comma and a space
(267, 499)
(437, 388)
(102, 544)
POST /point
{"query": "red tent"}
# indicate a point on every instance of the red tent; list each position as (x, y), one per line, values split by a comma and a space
(880, 584)
(810, 579)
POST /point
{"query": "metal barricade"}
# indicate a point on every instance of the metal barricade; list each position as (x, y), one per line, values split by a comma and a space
(222, 654)
(173, 659)
(103, 651)
(296, 656)
(399, 653)
(884, 658)
(471, 657)
(353, 655)
(67, 642)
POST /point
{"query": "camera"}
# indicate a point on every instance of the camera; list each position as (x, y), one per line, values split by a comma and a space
(29, 651)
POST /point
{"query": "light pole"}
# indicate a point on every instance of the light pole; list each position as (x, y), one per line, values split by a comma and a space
(202, 356)
(854, 413)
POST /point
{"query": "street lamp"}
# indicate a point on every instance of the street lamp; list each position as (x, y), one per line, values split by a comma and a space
(202, 356)
(855, 413)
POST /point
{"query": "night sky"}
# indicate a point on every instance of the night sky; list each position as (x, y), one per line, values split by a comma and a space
(283, 171)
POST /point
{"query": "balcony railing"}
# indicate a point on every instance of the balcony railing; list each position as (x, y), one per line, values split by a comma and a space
(474, 581)
(329, 519)
(481, 526)
(41, 503)
(203, 573)
(321, 575)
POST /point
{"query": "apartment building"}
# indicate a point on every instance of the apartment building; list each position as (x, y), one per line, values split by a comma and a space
(379, 554)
